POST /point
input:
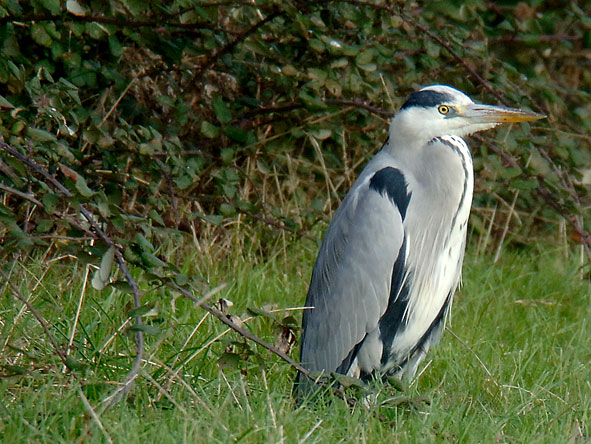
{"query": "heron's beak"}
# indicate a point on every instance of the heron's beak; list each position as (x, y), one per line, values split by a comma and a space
(498, 114)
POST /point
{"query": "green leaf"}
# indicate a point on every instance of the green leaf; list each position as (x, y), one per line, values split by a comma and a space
(317, 45)
(115, 46)
(50, 201)
(209, 130)
(101, 276)
(525, 184)
(151, 260)
(156, 217)
(365, 57)
(222, 112)
(236, 134)
(146, 329)
(215, 219)
(74, 364)
(75, 8)
(229, 361)
(82, 187)
(144, 243)
(44, 225)
(40, 35)
(348, 381)
(181, 279)
(139, 311)
(227, 209)
(397, 383)
(122, 286)
(5, 104)
(40, 135)
(310, 102)
(15, 369)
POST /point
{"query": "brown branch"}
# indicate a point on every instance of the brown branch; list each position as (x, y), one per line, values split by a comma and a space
(20, 194)
(542, 38)
(155, 24)
(242, 331)
(281, 226)
(359, 104)
(291, 106)
(505, 156)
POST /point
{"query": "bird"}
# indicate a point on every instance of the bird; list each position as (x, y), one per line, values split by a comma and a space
(391, 258)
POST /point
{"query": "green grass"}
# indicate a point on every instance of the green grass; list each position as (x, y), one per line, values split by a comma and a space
(513, 368)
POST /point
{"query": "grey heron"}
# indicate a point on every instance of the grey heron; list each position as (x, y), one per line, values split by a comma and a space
(391, 258)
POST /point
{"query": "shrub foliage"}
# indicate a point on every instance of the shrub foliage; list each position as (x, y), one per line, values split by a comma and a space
(199, 113)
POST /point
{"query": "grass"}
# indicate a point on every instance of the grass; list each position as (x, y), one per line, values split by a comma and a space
(512, 367)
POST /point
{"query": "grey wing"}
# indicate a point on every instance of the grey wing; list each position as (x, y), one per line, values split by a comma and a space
(352, 278)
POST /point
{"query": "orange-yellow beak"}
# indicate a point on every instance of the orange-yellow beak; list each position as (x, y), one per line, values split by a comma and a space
(479, 113)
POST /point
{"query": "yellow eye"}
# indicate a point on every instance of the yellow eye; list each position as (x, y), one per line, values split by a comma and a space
(443, 109)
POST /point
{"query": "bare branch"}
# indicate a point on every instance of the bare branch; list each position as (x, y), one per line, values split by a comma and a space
(26, 196)
(243, 332)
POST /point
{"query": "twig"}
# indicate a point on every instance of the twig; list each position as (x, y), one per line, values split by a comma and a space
(273, 223)
(540, 38)
(106, 20)
(471, 350)
(359, 104)
(93, 415)
(78, 309)
(125, 91)
(20, 194)
(584, 237)
(296, 105)
(243, 332)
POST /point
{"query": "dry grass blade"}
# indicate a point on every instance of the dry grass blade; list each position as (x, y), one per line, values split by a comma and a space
(35, 313)
(94, 415)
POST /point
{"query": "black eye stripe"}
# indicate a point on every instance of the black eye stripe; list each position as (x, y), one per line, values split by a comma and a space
(426, 99)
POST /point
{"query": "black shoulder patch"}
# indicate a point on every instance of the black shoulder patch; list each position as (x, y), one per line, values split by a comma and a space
(390, 181)
(426, 99)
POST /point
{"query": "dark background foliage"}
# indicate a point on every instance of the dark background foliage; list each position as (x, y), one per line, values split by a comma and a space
(189, 116)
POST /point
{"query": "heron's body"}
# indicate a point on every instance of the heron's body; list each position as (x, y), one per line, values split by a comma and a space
(391, 258)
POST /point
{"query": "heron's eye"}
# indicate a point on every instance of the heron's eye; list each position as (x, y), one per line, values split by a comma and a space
(443, 109)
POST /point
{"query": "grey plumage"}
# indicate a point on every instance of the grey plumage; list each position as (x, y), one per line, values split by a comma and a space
(391, 258)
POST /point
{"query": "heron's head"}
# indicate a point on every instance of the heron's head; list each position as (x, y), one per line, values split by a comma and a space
(440, 110)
